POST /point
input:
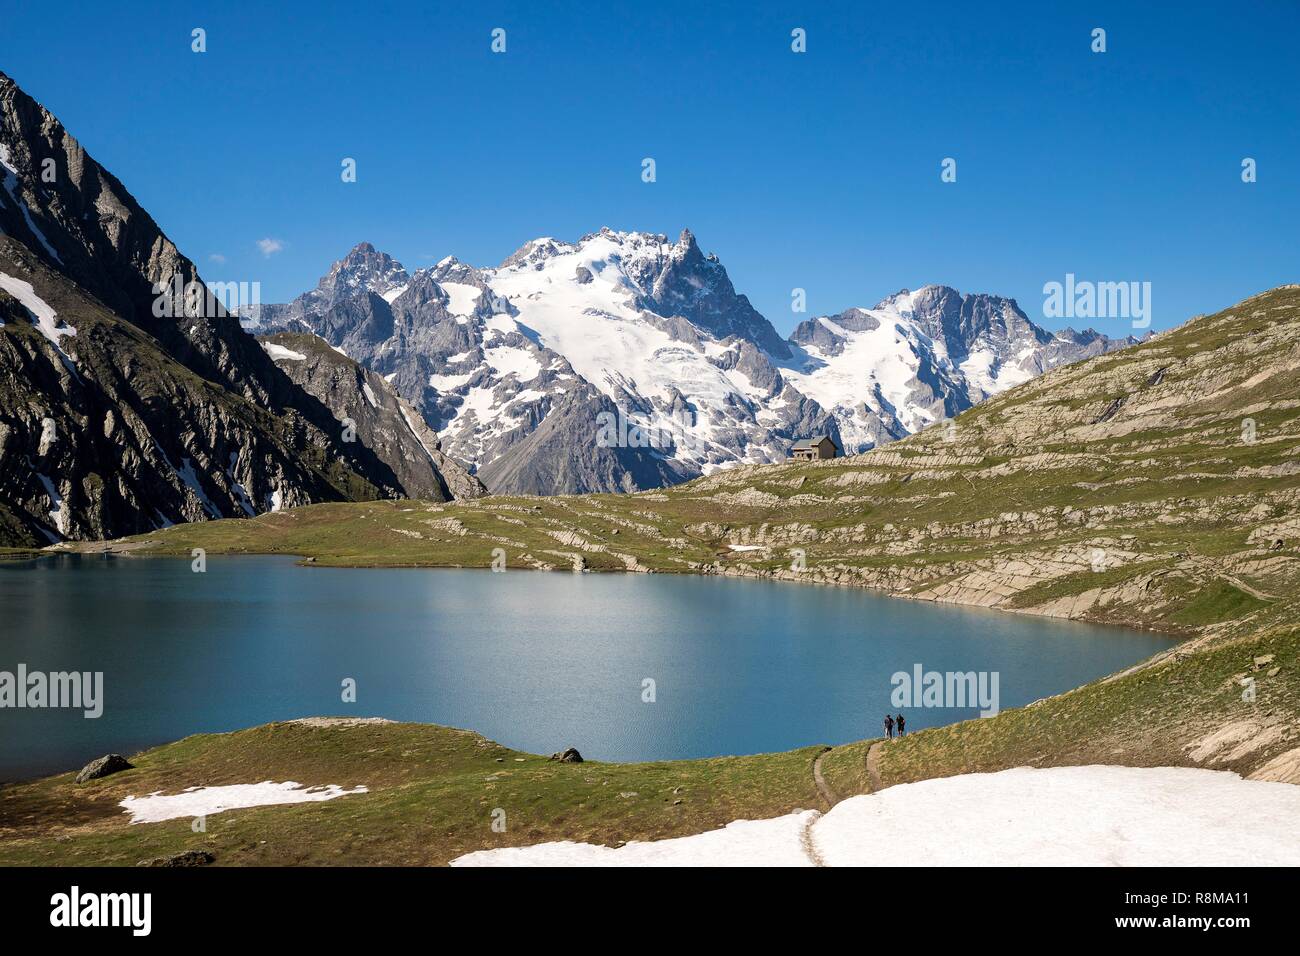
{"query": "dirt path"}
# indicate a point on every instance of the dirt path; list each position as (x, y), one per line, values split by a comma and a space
(1209, 566)
(873, 768)
(824, 788)
(809, 847)
(830, 797)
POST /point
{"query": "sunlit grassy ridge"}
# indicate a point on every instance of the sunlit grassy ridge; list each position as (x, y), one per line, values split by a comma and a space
(433, 793)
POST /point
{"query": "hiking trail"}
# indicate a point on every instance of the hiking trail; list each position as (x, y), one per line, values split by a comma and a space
(824, 788)
(873, 767)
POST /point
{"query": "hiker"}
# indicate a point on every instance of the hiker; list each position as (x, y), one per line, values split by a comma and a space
(889, 726)
(900, 723)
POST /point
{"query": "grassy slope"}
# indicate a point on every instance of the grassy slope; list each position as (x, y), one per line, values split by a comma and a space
(1012, 513)
(432, 794)
(1146, 717)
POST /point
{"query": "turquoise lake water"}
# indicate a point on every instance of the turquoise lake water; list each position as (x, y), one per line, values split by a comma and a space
(536, 661)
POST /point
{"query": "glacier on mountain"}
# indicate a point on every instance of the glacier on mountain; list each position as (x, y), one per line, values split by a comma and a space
(519, 369)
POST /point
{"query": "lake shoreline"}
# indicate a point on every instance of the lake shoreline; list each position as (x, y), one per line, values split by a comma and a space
(422, 649)
(149, 549)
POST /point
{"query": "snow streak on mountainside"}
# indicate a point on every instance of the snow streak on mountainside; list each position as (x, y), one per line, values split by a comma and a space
(626, 360)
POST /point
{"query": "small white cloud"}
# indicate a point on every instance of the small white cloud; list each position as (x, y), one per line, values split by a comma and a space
(217, 258)
(270, 247)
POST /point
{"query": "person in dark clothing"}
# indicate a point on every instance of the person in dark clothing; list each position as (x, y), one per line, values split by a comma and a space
(900, 723)
(889, 726)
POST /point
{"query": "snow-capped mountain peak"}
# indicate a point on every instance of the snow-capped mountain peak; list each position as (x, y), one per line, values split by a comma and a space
(921, 356)
(514, 366)
(363, 270)
(658, 329)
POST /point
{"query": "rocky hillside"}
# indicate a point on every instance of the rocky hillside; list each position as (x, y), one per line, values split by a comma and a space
(103, 433)
(368, 405)
(123, 409)
(519, 367)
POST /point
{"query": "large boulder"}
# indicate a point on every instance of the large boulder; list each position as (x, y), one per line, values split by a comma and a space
(568, 756)
(187, 858)
(103, 766)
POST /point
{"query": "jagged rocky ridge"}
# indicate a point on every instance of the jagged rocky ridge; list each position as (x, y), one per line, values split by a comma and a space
(115, 419)
(514, 366)
(365, 403)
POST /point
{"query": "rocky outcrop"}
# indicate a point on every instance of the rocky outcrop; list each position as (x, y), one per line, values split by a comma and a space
(185, 858)
(1284, 768)
(103, 767)
(374, 415)
(688, 283)
(564, 451)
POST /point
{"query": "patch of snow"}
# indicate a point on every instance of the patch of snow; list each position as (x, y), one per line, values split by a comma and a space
(187, 474)
(43, 316)
(58, 514)
(773, 842)
(449, 383)
(1060, 816)
(205, 801)
(527, 395)
(240, 492)
(279, 353)
(370, 394)
(478, 402)
(506, 360)
(463, 297)
(11, 187)
(987, 376)
(1069, 816)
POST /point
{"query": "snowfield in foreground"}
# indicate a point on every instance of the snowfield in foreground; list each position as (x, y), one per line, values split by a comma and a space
(1064, 816)
(204, 801)
(776, 842)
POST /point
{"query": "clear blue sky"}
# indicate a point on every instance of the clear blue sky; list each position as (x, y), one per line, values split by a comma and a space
(818, 170)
